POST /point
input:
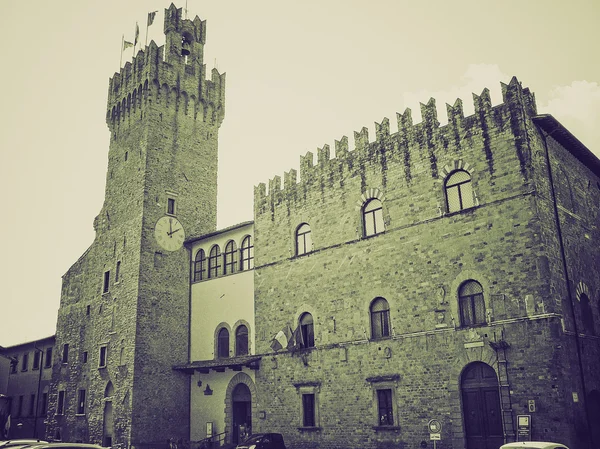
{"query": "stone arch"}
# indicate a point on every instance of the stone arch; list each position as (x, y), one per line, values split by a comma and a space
(239, 378)
(237, 324)
(221, 325)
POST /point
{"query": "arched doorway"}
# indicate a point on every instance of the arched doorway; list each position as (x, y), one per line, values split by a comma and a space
(241, 407)
(481, 407)
(108, 421)
(593, 404)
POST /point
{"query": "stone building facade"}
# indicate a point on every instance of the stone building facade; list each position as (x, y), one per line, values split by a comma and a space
(124, 310)
(452, 275)
(447, 273)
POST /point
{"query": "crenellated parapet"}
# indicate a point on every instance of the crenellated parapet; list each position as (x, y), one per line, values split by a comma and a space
(174, 73)
(418, 147)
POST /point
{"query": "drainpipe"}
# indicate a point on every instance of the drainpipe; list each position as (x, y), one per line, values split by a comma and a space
(567, 280)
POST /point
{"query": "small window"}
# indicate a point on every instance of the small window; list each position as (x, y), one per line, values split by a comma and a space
(65, 354)
(459, 191)
(103, 356)
(214, 262)
(106, 283)
(385, 407)
(81, 402)
(223, 343)
(471, 304)
(247, 260)
(48, 362)
(307, 330)
(171, 206)
(126, 154)
(118, 272)
(230, 257)
(36, 359)
(308, 410)
(373, 218)
(25, 362)
(380, 318)
(60, 406)
(303, 240)
(241, 340)
(31, 405)
(84, 357)
(88, 310)
(200, 266)
(13, 365)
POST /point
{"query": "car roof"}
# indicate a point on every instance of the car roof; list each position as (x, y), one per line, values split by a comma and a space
(22, 442)
(58, 445)
(533, 445)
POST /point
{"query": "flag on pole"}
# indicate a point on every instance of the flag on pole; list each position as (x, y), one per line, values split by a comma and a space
(295, 342)
(151, 16)
(137, 33)
(281, 339)
(127, 44)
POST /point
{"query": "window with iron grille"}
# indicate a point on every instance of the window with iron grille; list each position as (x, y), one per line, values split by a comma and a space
(303, 239)
(308, 410)
(459, 191)
(241, 340)
(471, 304)
(230, 257)
(373, 218)
(385, 407)
(380, 318)
(307, 330)
(60, 406)
(214, 262)
(223, 343)
(247, 259)
(81, 402)
(200, 266)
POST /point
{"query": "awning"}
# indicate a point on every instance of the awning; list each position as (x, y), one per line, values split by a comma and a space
(220, 365)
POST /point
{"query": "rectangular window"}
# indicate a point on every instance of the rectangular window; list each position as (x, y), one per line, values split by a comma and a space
(48, 362)
(60, 406)
(25, 362)
(65, 354)
(20, 406)
(32, 405)
(84, 357)
(106, 283)
(308, 410)
(36, 359)
(171, 206)
(118, 271)
(81, 402)
(13, 365)
(44, 404)
(385, 407)
(88, 309)
(102, 359)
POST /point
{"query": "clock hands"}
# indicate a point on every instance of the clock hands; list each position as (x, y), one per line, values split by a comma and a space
(173, 232)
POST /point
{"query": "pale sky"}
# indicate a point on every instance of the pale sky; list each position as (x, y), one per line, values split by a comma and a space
(300, 74)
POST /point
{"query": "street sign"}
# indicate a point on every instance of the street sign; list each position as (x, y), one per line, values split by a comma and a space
(435, 436)
(434, 426)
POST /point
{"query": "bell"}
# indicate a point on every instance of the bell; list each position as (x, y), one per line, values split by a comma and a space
(185, 48)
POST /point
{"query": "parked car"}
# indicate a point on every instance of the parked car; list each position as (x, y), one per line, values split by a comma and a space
(263, 441)
(61, 445)
(24, 442)
(533, 445)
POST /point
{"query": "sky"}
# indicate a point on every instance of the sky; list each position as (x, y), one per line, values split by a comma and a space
(300, 74)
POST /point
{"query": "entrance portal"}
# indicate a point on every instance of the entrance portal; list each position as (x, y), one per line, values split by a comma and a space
(241, 406)
(481, 407)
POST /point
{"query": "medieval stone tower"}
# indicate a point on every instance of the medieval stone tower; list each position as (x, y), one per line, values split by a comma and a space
(123, 317)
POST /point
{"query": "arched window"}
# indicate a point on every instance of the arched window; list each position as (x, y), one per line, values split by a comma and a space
(241, 340)
(200, 266)
(459, 192)
(247, 260)
(223, 343)
(307, 330)
(230, 257)
(380, 318)
(303, 239)
(214, 262)
(471, 304)
(373, 218)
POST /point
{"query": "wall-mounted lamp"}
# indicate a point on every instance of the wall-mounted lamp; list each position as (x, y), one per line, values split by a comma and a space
(208, 391)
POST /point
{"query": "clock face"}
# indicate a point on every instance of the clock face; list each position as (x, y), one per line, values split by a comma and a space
(169, 233)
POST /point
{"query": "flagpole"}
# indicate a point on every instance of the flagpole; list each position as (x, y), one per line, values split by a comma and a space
(135, 39)
(147, 26)
(122, 43)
